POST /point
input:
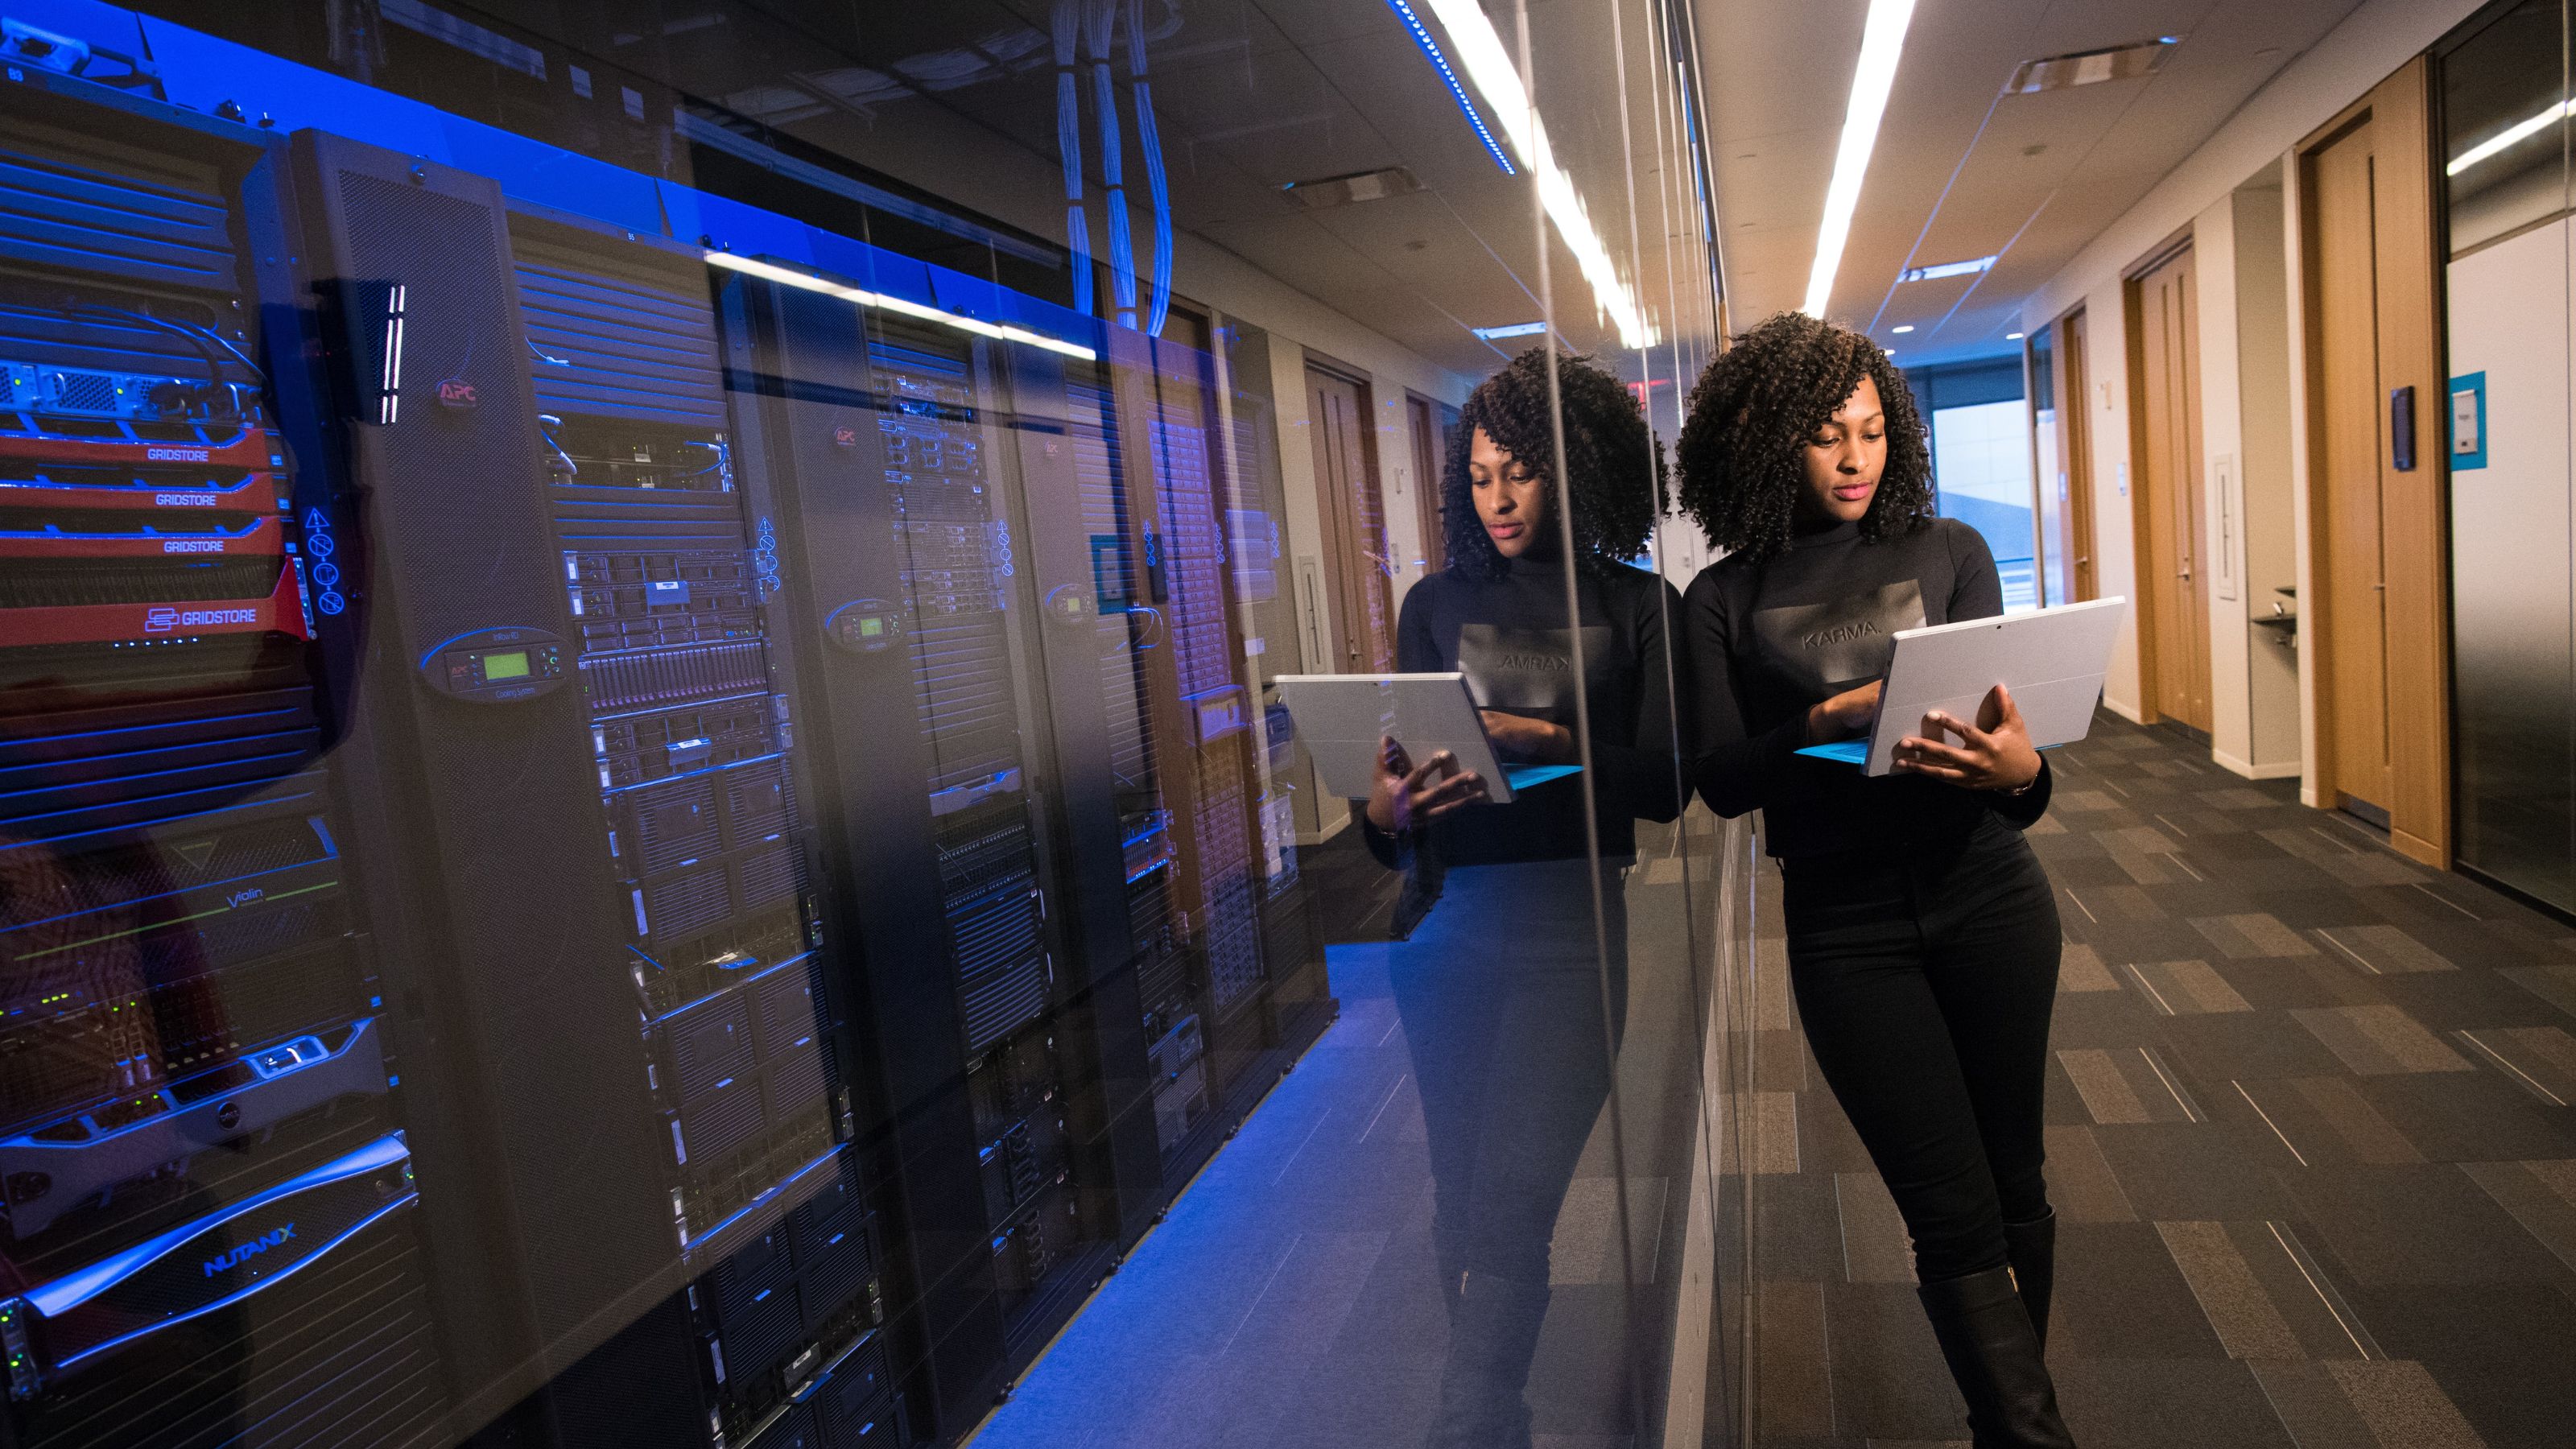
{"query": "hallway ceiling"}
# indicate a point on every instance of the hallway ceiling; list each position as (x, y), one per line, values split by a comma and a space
(1961, 170)
(959, 98)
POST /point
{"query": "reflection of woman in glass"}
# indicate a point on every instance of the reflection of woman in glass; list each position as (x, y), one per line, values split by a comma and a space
(1923, 935)
(1508, 1016)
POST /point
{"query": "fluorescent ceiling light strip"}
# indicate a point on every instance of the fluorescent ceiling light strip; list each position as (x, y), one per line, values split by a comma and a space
(1517, 329)
(1882, 40)
(789, 276)
(1449, 78)
(2521, 131)
(1498, 80)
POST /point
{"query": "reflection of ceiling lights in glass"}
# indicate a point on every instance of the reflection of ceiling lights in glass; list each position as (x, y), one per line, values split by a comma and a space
(2519, 131)
(1517, 329)
(2012, 336)
(1901, 331)
(1938, 270)
(1481, 53)
(808, 281)
(1449, 78)
(1882, 40)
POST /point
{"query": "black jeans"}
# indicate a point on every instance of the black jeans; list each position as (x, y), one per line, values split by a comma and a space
(1511, 1025)
(1925, 982)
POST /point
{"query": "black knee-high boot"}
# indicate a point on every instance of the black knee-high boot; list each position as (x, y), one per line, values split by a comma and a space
(1491, 1341)
(2032, 1247)
(1993, 1353)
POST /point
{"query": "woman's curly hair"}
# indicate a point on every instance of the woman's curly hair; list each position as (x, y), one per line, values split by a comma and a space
(1616, 471)
(1742, 452)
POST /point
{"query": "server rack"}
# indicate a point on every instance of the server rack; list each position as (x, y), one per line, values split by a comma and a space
(1256, 983)
(693, 732)
(210, 1227)
(891, 456)
(595, 646)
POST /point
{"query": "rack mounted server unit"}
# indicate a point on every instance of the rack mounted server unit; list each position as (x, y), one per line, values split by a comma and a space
(211, 1227)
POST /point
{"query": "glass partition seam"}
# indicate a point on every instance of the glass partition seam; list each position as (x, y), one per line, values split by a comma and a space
(1583, 735)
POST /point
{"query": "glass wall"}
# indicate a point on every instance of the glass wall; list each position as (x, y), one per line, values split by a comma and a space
(2512, 555)
(669, 770)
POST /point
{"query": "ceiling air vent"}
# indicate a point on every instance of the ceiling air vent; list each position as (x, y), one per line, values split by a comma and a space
(2085, 67)
(1358, 186)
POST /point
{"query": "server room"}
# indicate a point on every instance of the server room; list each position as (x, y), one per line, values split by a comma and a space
(1076, 724)
(646, 795)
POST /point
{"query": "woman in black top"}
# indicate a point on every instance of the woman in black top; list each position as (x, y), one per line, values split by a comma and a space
(1923, 935)
(1499, 978)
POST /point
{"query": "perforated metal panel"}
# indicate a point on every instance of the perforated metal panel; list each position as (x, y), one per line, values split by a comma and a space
(619, 341)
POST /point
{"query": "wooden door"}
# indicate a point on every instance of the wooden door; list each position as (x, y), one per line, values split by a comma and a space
(2171, 499)
(2345, 493)
(1354, 522)
(2075, 455)
(2377, 610)
(1430, 455)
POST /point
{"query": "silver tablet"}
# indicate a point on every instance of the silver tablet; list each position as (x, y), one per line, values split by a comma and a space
(1341, 717)
(2051, 659)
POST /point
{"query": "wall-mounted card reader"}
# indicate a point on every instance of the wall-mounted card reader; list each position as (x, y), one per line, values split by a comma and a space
(496, 666)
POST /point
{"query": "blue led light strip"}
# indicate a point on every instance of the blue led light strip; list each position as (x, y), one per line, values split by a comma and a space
(1449, 78)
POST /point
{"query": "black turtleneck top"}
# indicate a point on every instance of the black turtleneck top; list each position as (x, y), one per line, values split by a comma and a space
(1509, 637)
(1768, 638)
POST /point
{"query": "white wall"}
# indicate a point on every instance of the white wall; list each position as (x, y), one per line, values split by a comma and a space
(2222, 453)
(2374, 40)
(2270, 548)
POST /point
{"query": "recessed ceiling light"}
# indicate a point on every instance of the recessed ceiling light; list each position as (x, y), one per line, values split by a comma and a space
(1882, 41)
(1938, 270)
(1901, 331)
(2012, 337)
(2090, 67)
(1358, 186)
(1516, 329)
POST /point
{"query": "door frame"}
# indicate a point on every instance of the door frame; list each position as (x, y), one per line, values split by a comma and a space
(2152, 584)
(2414, 503)
(1430, 458)
(2075, 450)
(1343, 538)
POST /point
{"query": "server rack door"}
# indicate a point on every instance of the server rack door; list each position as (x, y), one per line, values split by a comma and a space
(692, 728)
(210, 1210)
(1126, 630)
(902, 538)
(1199, 706)
(815, 450)
(503, 927)
(1109, 828)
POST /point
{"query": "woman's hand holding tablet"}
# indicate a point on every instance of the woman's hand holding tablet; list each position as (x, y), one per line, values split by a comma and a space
(1995, 753)
(1403, 795)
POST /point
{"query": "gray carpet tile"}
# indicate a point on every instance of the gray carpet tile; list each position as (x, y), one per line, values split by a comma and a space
(2309, 1138)
(2308, 1143)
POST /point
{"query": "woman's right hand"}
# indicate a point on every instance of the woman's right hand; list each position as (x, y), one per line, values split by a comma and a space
(1402, 796)
(1844, 715)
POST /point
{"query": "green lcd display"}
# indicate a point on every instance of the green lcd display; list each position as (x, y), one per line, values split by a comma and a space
(513, 665)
